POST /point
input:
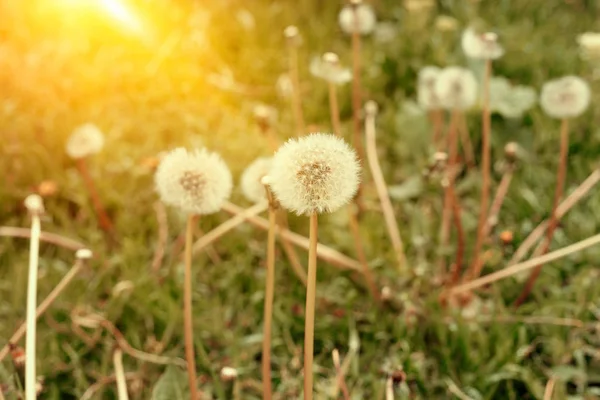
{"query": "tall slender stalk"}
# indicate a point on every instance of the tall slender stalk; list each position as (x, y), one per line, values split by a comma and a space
(325, 253)
(558, 193)
(339, 375)
(120, 375)
(524, 266)
(35, 206)
(269, 294)
(292, 35)
(352, 215)
(437, 119)
(465, 139)
(187, 309)
(356, 86)
(447, 209)
(485, 166)
(82, 255)
(309, 319)
(460, 234)
(381, 187)
(334, 109)
(103, 219)
(562, 209)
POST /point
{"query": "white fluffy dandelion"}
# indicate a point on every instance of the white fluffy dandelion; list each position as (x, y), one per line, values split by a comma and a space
(566, 97)
(365, 19)
(314, 174)
(456, 88)
(196, 181)
(85, 140)
(510, 101)
(251, 180)
(330, 69)
(589, 45)
(426, 93)
(483, 46)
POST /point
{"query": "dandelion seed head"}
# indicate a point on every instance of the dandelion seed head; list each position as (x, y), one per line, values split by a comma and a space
(34, 204)
(316, 173)
(365, 18)
(292, 34)
(589, 45)
(481, 46)
(84, 254)
(456, 88)
(251, 181)
(328, 67)
(426, 93)
(228, 374)
(197, 181)
(371, 108)
(85, 140)
(567, 97)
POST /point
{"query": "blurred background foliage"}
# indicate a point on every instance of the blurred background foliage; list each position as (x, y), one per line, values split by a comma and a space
(158, 74)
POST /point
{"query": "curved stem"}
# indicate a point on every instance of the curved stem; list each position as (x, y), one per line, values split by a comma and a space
(382, 192)
(460, 234)
(485, 169)
(560, 183)
(326, 253)
(187, 310)
(562, 209)
(524, 266)
(309, 319)
(120, 375)
(30, 348)
(43, 305)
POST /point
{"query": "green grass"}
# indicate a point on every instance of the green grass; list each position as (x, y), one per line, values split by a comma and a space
(147, 103)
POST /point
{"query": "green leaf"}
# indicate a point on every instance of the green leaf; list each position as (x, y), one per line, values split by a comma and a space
(171, 385)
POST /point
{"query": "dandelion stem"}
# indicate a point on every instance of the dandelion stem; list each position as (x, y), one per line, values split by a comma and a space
(437, 120)
(309, 319)
(485, 168)
(389, 388)
(560, 184)
(57, 240)
(352, 215)
(103, 219)
(44, 305)
(120, 375)
(334, 110)
(269, 294)
(296, 95)
(340, 382)
(562, 209)
(227, 226)
(187, 309)
(163, 236)
(356, 88)
(549, 390)
(524, 266)
(461, 236)
(360, 253)
(447, 209)
(494, 211)
(290, 251)
(326, 253)
(465, 139)
(30, 351)
(382, 192)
